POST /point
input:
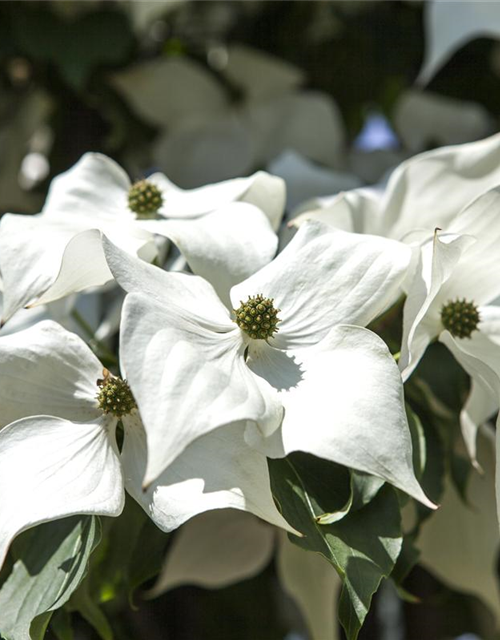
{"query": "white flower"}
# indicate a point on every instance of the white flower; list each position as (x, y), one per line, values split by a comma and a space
(95, 194)
(58, 452)
(209, 136)
(449, 541)
(424, 192)
(455, 280)
(451, 25)
(219, 548)
(193, 369)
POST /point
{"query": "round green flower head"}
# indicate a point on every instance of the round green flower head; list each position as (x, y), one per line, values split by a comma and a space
(144, 199)
(257, 317)
(115, 396)
(460, 318)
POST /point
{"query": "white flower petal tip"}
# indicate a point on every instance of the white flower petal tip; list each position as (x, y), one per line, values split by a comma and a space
(350, 394)
(451, 25)
(216, 471)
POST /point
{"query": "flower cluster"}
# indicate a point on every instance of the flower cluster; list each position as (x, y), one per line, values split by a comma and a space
(242, 368)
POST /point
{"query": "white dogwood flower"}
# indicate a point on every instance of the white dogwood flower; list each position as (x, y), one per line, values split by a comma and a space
(449, 300)
(424, 192)
(59, 455)
(97, 194)
(195, 365)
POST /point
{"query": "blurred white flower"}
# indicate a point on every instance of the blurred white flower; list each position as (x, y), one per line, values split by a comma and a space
(467, 562)
(423, 119)
(210, 136)
(449, 25)
(219, 548)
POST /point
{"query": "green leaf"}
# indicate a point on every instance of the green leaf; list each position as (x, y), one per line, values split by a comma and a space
(51, 562)
(363, 546)
(82, 602)
(60, 625)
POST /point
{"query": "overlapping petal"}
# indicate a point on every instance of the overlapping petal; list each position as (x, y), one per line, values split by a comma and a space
(188, 378)
(192, 293)
(47, 370)
(326, 277)
(343, 401)
(421, 317)
(51, 468)
(224, 247)
(216, 471)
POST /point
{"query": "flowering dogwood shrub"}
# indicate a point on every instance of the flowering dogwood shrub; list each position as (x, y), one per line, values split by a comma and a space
(253, 403)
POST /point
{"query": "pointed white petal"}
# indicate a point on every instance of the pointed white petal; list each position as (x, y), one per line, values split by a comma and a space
(453, 176)
(84, 263)
(475, 276)
(188, 377)
(47, 370)
(95, 185)
(216, 549)
(459, 543)
(479, 407)
(268, 193)
(343, 402)
(52, 468)
(314, 585)
(326, 277)
(226, 246)
(451, 25)
(216, 471)
(480, 357)
(259, 74)
(421, 316)
(261, 189)
(191, 293)
(29, 272)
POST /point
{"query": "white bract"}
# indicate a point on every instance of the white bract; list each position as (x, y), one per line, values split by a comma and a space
(192, 369)
(451, 25)
(424, 192)
(461, 264)
(58, 451)
(93, 195)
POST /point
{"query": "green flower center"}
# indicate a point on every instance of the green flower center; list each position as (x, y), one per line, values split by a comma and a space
(144, 199)
(257, 317)
(460, 318)
(114, 396)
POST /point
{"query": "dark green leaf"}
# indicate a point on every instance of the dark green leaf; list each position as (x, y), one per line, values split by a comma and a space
(51, 562)
(363, 546)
